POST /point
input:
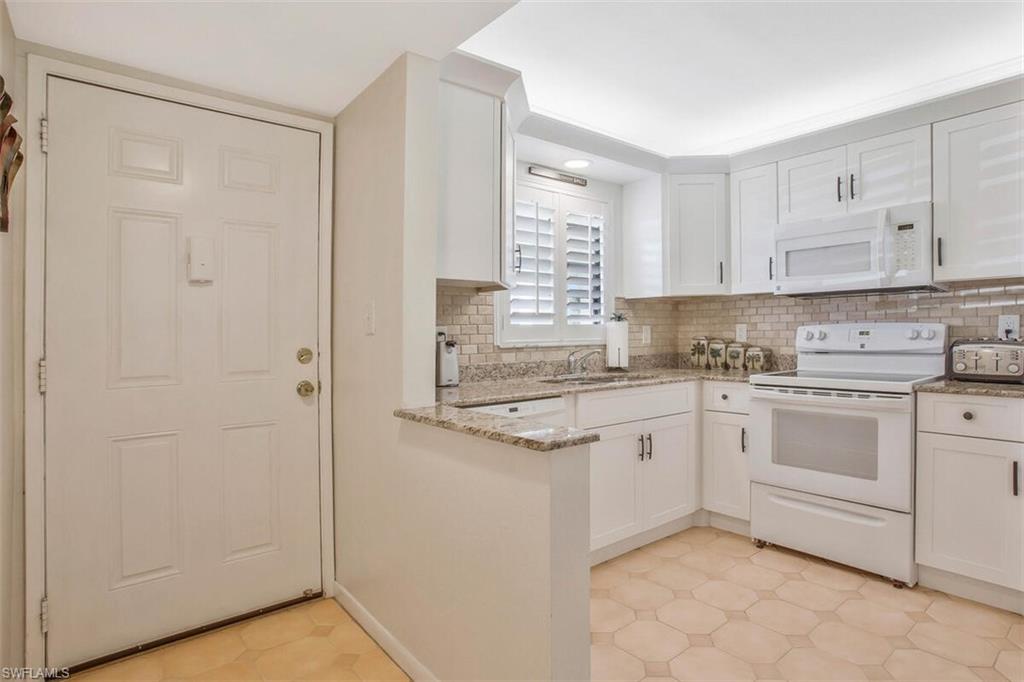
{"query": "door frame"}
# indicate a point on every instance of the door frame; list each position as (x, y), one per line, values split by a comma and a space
(39, 70)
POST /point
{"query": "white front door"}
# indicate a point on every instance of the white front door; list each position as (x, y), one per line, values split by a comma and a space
(181, 464)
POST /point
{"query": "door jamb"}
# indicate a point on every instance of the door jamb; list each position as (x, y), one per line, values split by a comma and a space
(39, 69)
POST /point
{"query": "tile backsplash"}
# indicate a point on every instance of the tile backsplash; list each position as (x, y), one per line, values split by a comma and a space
(970, 309)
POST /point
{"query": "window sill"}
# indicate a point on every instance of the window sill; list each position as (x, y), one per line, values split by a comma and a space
(568, 343)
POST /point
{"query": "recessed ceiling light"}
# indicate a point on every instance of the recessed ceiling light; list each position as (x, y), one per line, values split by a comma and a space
(576, 164)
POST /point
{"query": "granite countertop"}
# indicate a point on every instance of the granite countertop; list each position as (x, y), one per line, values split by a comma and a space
(519, 432)
(449, 412)
(973, 388)
(533, 388)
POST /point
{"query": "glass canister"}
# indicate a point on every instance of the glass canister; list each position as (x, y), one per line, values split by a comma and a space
(757, 359)
(716, 354)
(735, 356)
(698, 351)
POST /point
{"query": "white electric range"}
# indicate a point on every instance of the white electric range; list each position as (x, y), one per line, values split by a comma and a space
(832, 444)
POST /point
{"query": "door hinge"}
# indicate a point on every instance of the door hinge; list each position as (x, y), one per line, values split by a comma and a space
(44, 614)
(42, 375)
(44, 135)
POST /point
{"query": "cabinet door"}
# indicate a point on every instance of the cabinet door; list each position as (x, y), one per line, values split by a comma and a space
(979, 195)
(698, 235)
(890, 170)
(642, 254)
(468, 239)
(726, 473)
(968, 520)
(507, 254)
(812, 186)
(615, 463)
(753, 213)
(669, 478)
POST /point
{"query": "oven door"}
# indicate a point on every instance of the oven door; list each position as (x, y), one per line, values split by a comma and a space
(848, 445)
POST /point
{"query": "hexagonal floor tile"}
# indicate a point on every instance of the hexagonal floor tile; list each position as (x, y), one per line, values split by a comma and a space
(349, 638)
(201, 654)
(326, 612)
(146, 668)
(377, 666)
(636, 561)
(641, 594)
(850, 643)
(676, 576)
(725, 595)
(607, 615)
(734, 546)
(812, 664)
(1011, 664)
(977, 619)
(668, 548)
(779, 560)
(698, 535)
(709, 663)
(606, 576)
(650, 640)
(276, 629)
(1016, 635)
(783, 617)
(691, 616)
(608, 662)
(956, 645)
(296, 659)
(886, 595)
(834, 577)
(708, 561)
(810, 595)
(750, 642)
(755, 577)
(912, 664)
(869, 616)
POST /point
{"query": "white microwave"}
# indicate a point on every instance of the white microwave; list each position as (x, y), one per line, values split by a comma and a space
(886, 249)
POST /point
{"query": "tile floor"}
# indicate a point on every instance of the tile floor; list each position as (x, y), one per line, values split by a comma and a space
(708, 605)
(311, 641)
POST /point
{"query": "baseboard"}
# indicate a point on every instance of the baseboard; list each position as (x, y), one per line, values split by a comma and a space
(729, 523)
(968, 588)
(388, 642)
(619, 548)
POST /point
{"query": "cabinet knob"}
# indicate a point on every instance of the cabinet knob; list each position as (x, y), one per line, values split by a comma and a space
(968, 415)
(725, 396)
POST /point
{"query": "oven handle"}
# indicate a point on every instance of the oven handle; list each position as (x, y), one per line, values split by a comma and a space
(903, 403)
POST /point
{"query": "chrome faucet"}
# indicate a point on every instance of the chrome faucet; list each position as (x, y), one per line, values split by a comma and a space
(574, 364)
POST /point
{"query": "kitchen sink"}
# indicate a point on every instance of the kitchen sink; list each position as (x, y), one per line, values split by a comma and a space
(597, 379)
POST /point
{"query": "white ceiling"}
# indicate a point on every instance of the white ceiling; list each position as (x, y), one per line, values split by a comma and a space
(683, 78)
(313, 56)
(533, 150)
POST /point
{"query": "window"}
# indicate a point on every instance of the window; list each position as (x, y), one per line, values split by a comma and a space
(559, 288)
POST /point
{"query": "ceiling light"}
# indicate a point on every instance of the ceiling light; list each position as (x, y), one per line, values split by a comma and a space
(576, 164)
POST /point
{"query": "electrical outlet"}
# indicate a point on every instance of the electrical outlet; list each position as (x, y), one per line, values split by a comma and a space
(645, 335)
(741, 332)
(1008, 327)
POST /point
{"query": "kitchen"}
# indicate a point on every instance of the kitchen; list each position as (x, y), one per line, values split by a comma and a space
(734, 374)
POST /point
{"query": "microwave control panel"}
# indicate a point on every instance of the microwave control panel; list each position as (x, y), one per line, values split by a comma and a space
(907, 251)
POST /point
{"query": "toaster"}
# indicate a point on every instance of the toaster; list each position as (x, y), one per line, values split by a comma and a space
(987, 360)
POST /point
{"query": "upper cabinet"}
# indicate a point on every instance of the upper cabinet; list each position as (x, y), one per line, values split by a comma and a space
(475, 164)
(698, 235)
(753, 213)
(979, 195)
(642, 255)
(883, 171)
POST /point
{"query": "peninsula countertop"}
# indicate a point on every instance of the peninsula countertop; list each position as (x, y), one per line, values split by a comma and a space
(983, 388)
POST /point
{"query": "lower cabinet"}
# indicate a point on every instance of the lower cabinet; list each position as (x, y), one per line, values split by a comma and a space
(726, 473)
(642, 474)
(970, 510)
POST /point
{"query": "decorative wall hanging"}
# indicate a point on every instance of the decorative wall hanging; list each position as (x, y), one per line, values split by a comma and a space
(11, 157)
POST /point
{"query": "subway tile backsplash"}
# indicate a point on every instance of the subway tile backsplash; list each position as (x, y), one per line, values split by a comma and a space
(970, 309)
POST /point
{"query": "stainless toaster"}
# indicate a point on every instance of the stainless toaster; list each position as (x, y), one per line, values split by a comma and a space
(987, 360)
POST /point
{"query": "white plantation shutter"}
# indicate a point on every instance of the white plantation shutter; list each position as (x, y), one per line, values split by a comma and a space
(584, 294)
(532, 297)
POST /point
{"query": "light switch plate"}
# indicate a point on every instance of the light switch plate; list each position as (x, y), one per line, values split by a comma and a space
(1008, 327)
(741, 332)
(200, 259)
(645, 335)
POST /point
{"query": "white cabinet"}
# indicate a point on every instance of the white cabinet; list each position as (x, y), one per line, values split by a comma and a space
(890, 170)
(477, 168)
(642, 254)
(979, 195)
(811, 186)
(726, 473)
(698, 235)
(669, 475)
(969, 509)
(753, 214)
(615, 469)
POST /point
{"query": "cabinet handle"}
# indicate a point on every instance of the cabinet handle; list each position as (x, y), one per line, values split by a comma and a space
(721, 273)
(940, 251)
(743, 439)
(852, 195)
(968, 415)
(771, 263)
(517, 265)
(839, 188)
(641, 439)
(1016, 478)
(650, 447)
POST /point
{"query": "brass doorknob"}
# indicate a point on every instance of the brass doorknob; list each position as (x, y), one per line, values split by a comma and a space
(305, 388)
(304, 356)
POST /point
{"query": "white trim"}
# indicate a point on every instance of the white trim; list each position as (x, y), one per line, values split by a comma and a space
(39, 69)
(997, 596)
(405, 659)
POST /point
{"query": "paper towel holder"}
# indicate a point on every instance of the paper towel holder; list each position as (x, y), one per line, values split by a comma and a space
(617, 342)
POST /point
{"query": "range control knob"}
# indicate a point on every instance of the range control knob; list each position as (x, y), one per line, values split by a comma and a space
(913, 334)
(928, 334)
(809, 334)
(1013, 369)
(822, 334)
(960, 366)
